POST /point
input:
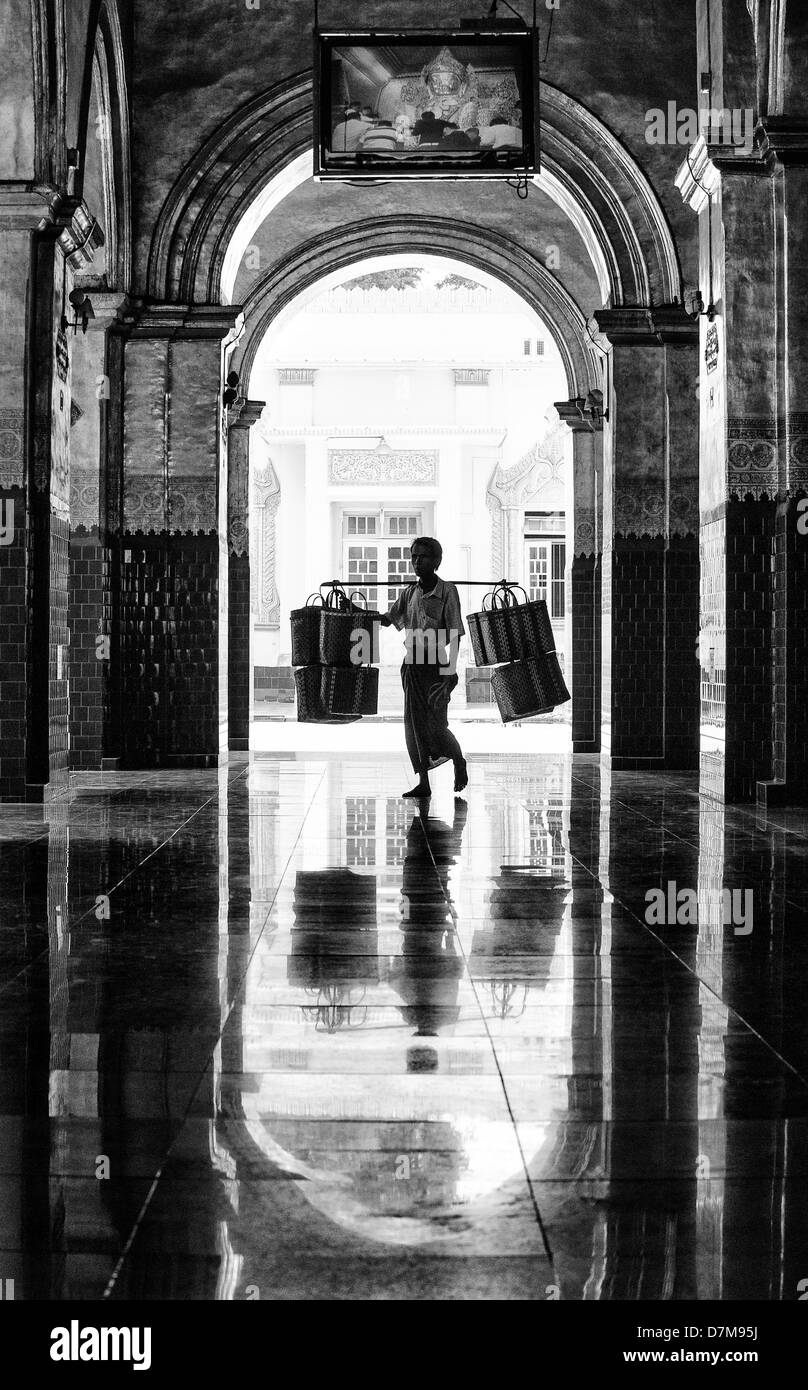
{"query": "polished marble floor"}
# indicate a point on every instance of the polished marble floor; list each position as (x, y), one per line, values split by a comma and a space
(276, 1033)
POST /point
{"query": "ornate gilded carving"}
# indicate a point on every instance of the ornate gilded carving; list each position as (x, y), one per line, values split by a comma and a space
(191, 506)
(383, 465)
(267, 491)
(84, 499)
(639, 508)
(752, 456)
(12, 462)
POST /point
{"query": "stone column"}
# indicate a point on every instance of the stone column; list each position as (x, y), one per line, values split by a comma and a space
(785, 149)
(90, 557)
(240, 421)
(649, 672)
(44, 239)
(584, 568)
(753, 471)
(172, 613)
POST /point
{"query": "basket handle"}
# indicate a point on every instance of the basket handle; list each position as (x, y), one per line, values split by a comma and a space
(313, 599)
(504, 595)
(359, 594)
(336, 597)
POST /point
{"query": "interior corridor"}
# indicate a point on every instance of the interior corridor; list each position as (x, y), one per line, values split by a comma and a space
(274, 1033)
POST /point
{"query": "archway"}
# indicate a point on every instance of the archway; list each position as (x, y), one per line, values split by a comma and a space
(619, 262)
(406, 394)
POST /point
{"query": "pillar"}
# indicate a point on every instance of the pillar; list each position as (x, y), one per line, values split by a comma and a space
(45, 239)
(584, 569)
(649, 673)
(171, 647)
(753, 463)
(240, 665)
(91, 557)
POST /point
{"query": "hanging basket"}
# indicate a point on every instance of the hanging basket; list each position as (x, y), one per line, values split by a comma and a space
(350, 690)
(310, 706)
(306, 631)
(507, 630)
(525, 688)
(348, 635)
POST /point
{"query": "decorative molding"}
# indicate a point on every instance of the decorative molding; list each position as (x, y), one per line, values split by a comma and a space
(667, 323)
(752, 456)
(683, 511)
(584, 540)
(296, 376)
(267, 491)
(80, 235)
(84, 498)
(382, 465)
(191, 504)
(12, 461)
(639, 509)
(798, 451)
(471, 376)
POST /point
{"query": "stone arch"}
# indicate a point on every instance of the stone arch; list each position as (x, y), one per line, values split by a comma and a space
(105, 67)
(585, 169)
(479, 248)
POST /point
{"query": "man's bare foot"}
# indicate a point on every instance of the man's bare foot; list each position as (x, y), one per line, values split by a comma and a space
(461, 775)
(419, 792)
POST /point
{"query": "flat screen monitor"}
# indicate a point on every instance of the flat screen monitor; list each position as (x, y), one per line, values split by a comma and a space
(441, 104)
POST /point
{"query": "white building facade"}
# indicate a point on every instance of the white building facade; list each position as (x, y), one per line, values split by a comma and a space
(411, 402)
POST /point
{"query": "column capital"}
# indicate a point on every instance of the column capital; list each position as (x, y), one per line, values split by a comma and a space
(638, 326)
(27, 207)
(244, 413)
(574, 414)
(109, 306)
(785, 139)
(223, 322)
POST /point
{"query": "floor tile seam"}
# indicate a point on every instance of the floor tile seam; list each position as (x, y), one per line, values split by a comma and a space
(646, 929)
(444, 890)
(74, 925)
(223, 1025)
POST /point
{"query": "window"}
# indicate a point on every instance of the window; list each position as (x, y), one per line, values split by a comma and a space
(389, 554)
(527, 347)
(545, 559)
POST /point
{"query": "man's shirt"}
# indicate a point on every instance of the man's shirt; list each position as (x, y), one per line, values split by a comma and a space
(347, 135)
(433, 624)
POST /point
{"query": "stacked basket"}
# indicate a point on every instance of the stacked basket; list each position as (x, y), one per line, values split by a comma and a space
(333, 640)
(517, 639)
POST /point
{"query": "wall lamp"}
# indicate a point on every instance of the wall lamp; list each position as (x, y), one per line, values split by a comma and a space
(694, 305)
(83, 309)
(594, 405)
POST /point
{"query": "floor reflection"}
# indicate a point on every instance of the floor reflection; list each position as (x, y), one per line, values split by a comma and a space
(278, 1035)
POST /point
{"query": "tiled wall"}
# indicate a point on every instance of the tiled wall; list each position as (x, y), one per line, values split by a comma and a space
(681, 659)
(238, 676)
(585, 663)
(737, 547)
(168, 687)
(88, 587)
(637, 622)
(790, 645)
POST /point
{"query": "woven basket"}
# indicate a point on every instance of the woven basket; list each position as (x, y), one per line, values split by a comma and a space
(525, 688)
(350, 690)
(509, 630)
(306, 632)
(310, 707)
(339, 636)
